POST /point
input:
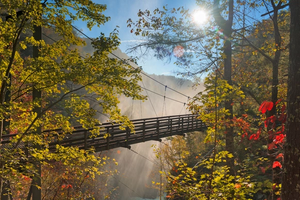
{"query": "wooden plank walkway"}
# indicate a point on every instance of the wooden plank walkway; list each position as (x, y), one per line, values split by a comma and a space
(145, 130)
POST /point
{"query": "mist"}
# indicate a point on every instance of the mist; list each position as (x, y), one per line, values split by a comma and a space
(138, 166)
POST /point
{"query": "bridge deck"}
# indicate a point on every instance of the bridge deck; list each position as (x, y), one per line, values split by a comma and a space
(145, 130)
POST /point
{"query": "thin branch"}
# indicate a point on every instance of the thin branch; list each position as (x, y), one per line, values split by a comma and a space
(269, 12)
(44, 110)
(250, 93)
(168, 42)
(256, 48)
(14, 50)
(25, 90)
(23, 82)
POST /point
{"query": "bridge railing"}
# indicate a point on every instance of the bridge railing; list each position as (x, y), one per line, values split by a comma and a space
(111, 136)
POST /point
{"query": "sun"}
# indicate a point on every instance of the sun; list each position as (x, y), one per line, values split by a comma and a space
(200, 16)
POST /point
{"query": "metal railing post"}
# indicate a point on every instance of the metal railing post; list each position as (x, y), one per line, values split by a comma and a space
(144, 126)
(157, 128)
(108, 138)
(85, 140)
(127, 136)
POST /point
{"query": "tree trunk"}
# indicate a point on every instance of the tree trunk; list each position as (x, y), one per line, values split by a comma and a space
(276, 172)
(228, 106)
(226, 25)
(291, 179)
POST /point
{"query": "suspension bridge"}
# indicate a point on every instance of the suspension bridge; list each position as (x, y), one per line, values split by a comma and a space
(115, 135)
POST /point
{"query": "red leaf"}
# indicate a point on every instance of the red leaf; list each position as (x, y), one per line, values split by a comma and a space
(279, 138)
(279, 100)
(272, 119)
(277, 164)
(269, 105)
(266, 105)
(258, 133)
(267, 122)
(252, 136)
(263, 170)
(26, 178)
(271, 146)
(255, 136)
(261, 107)
(283, 108)
(279, 155)
(245, 134)
(282, 117)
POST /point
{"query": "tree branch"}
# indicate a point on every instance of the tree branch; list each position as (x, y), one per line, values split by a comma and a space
(257, 49)
(168, 42)
(44, 110)
(14, 50)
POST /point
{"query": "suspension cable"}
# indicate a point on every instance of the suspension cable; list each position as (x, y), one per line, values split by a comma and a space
(124, 61)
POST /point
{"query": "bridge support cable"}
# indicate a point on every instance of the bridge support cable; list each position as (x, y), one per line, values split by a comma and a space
(182, 109)
(141, 72)
(150, 99)
(188, 99)
(132, 104)
(148, 159)
(162, 95)
(141, 109)
(164, 102)
(124, 61)
(165, 99)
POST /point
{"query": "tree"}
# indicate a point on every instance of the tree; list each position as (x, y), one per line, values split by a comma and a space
(291, 181)
(279, 20)
(64, 79)
(173, 34)
(266, 51)
(226, 26)
(172, 31)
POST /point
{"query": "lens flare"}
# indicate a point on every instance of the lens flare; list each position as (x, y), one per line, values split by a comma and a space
(178, 51)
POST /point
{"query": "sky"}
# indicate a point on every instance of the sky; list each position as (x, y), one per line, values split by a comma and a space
(120, 11)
